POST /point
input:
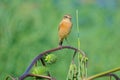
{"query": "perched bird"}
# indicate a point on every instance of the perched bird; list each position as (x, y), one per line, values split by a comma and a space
(64, 28)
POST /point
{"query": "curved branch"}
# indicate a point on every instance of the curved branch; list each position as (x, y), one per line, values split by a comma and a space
(113, 75)
(47, 52)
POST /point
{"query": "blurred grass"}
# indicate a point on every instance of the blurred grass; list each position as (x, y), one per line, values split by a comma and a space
(30, 27)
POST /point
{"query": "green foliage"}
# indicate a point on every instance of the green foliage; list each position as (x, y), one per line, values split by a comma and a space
(73, 72)
(40, 70)
(28, 27)
(51, 58)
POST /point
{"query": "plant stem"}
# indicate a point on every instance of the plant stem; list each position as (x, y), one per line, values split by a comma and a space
(103, 73)
(78, 30)
(78, 44)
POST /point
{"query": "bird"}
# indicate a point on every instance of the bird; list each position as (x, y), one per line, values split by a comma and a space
(64, 28)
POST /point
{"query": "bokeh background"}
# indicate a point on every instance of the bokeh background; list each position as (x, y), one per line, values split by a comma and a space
(28, 27)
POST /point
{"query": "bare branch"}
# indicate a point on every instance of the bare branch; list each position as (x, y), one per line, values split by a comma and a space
(113, 75)
(47, 52)
(40, 76)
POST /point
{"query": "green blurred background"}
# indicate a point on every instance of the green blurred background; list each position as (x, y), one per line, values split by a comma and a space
(28, 27)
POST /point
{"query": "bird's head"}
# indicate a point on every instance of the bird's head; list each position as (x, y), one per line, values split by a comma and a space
(67, 17)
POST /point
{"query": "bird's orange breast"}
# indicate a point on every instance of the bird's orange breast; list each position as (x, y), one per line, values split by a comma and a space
(64, 29)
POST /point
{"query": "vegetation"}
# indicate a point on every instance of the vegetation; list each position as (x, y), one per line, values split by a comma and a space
(30, 27)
